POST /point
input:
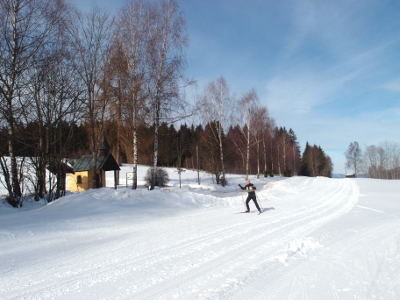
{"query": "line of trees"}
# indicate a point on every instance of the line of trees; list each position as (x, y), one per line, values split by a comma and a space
(382, 161)
(68, 78)
(273, 150)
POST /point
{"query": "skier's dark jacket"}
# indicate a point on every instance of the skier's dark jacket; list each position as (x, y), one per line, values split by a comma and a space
(250, 188)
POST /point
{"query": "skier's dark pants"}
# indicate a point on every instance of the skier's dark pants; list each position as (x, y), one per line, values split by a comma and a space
(255, 202)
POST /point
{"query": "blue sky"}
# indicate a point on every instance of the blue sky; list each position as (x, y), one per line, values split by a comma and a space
(330, 70)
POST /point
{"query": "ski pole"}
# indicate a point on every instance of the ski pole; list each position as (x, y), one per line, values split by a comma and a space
(241, 193)
(259, 203)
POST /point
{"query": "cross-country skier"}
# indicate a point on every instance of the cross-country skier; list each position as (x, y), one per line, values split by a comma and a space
(250, 188)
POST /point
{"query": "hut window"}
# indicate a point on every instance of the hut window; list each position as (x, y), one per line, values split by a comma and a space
(79, 179)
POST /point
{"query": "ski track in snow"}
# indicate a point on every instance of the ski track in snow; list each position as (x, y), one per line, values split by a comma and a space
(218, 255)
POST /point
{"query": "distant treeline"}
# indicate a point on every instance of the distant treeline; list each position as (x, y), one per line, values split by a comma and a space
(276, 152)
(382, 161)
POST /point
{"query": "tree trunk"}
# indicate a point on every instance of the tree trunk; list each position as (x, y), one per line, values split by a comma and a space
(15, 196)
(156, 131)
(135, 157)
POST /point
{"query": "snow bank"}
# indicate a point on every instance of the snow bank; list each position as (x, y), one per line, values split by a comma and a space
(318, 238)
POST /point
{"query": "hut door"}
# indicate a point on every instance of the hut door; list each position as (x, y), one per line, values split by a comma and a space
(98, 181)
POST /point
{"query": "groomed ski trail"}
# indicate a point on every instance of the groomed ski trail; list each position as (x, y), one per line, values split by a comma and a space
(257, 248)
(204, 254)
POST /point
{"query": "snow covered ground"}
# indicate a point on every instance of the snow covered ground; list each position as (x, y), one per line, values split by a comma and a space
(318, 238)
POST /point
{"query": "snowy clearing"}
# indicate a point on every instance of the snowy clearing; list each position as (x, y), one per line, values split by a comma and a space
(318, 238)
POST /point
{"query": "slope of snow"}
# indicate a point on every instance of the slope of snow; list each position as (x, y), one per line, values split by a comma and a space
(318, 238)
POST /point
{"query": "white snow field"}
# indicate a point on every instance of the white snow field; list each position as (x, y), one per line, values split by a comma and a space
(318, 238)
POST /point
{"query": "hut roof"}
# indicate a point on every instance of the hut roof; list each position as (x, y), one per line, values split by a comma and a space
(65, 167)
(106, 163)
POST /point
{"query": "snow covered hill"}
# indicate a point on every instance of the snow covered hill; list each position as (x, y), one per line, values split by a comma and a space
(318, 238)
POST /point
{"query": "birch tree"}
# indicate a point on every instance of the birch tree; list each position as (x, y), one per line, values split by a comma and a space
(371, 161)
(25, 26)
(165, 62)
(132, 40)
(267, 143)
(91, 36)
(284, 146)
(261, 120)
(216, 108)
(247, 111)
(354, 157)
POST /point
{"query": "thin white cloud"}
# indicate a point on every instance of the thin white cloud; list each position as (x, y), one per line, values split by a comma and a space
(304, 86)
(301, 89)
(392, 85)
(298, 93)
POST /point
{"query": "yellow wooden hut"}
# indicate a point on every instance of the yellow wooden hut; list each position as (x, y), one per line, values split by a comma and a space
(82, 178)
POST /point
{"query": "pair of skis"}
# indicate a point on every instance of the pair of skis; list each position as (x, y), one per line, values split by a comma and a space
(259, 204)
(245, 212)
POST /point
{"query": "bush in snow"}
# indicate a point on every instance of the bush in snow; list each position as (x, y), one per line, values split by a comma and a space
(161, 177)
